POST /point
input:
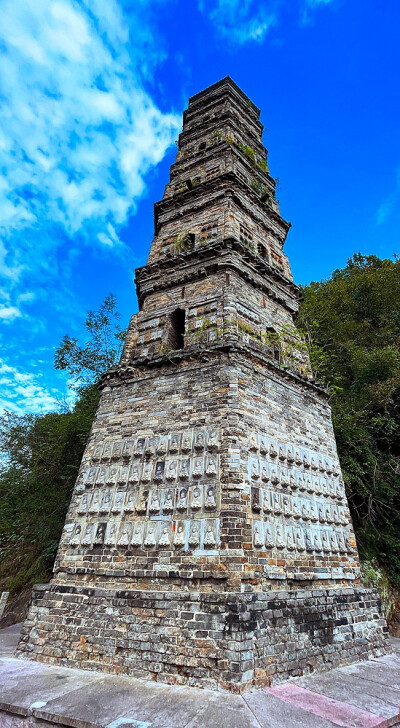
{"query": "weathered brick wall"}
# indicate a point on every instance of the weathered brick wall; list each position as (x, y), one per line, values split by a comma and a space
(233, 641)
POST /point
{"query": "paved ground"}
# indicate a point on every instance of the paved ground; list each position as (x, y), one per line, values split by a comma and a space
(365, 695)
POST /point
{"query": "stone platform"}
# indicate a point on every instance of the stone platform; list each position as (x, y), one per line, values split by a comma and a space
(365, 695)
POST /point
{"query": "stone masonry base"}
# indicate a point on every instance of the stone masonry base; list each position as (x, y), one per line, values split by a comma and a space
(230, 641)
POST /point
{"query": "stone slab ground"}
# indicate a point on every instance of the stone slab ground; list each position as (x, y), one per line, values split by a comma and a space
(364, 695)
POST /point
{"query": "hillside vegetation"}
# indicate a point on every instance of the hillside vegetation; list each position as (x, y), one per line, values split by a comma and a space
(352, 325)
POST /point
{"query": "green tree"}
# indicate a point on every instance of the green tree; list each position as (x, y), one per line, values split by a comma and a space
(354, 320)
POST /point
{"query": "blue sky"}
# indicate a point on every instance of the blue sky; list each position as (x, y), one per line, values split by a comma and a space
(92, 93)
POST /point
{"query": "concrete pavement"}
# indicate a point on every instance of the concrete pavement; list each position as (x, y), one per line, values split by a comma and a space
(363, 695)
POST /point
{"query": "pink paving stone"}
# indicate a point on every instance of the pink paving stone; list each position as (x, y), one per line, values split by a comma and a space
(342, 714)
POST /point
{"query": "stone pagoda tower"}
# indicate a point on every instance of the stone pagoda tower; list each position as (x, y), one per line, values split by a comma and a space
(209, 540)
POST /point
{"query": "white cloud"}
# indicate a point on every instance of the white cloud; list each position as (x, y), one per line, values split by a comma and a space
(387, 206)
(241, 21)
(21, 392)
(9, 313)
(79, 131)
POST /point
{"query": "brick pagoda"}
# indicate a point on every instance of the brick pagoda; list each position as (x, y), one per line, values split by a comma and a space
(209, 540)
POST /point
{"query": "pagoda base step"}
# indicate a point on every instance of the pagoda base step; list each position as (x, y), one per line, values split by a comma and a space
(230, 641)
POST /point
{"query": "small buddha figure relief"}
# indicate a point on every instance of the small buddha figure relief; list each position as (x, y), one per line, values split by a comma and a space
(287, 511)
(277, 504)
(301, 483)
(274, 476)
(209, 537)
(125, 535)
(83, 504)
(306, 460)
(211, 466)
(344, 517)
(255, 474)
(184, 470)
(290, 539)
(335, 515)
(165, 537)
(95, 502)
(123, 475)
(255, 499)
(328, 467)
(97, 453)
(341, 543)
(321, 513)
(329, 518)
(280, 537)
(198, 468)
(76, 536)
(141, 506)
(147, 472)
(128, 449)
(187, 442)
(159, 472)
(284, 479)
(180, 536)
(117, 450)
(324, 487)
(333, 542)
(137, 536)
(162, 446)
(150, 539)
(317, 543)
(314, 465)
(272, 450)
(101, 476)
(269, 536)
(130, 502)
(168, 506)
(199, 441)
(305, 512)
(321, 466)
(134, 474)
(295, 509)
(211, 502)
(171, 470)
(213, 441)
(309, 485)
(264, 473)
(174, 444)
(325, 542)
(267, 502)
(90, 477)
(194, 538)
(313, 513)
(118, 504)
(297, 457)
(253, 444)
(290, 454)
(154, 506)
(112, 475)
(299, 540)
(281, 452)
(263, 446)
(88, 537)
(107, 452)
(335, 470)
(150, 449)
(196, 499)
(106, 503)
(317, 486)
(258, 538)
(309, 542)
(182, 499)
(139, 449)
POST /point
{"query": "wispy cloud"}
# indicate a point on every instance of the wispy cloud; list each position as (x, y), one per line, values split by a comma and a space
(79, 130)
(23, 392)
(242, 21)
(387, 206)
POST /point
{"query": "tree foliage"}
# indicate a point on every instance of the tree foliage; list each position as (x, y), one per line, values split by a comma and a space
(41, 454)
(354, 319)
